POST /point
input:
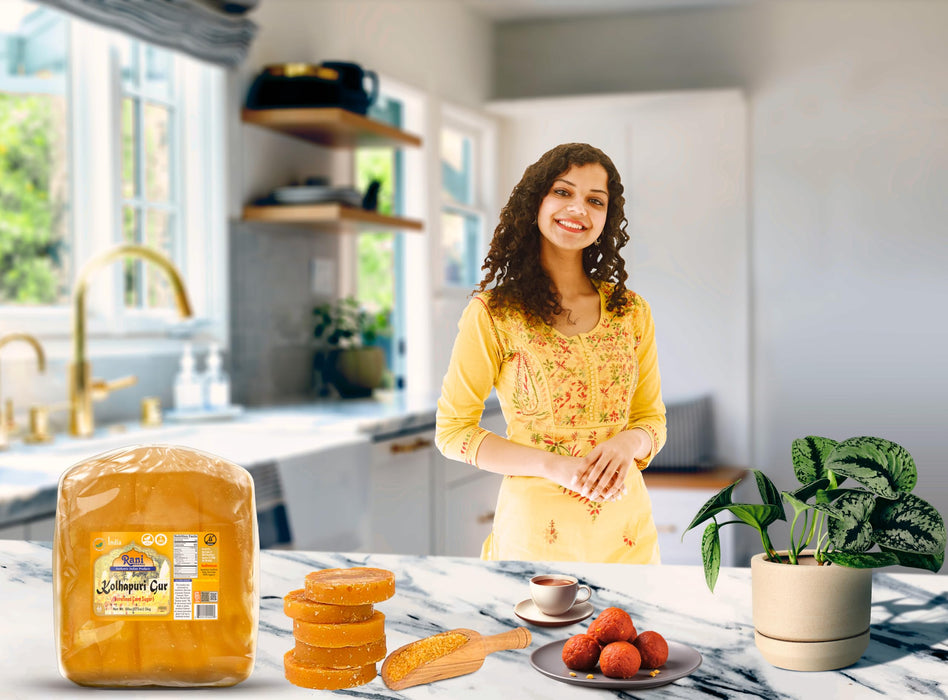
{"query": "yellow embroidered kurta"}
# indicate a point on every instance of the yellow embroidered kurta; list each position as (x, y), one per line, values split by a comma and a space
(564, 394)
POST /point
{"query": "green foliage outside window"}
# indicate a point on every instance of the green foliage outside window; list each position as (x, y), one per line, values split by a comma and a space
(32, 248)
(376, 285)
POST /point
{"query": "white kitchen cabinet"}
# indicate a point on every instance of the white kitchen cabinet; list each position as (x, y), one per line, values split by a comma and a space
(469, 514)
(326, 497)
(401, 493)
(13, 532)
(40, 530)
(676, 498)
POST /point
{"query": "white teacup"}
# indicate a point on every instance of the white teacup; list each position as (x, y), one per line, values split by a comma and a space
(555, 594)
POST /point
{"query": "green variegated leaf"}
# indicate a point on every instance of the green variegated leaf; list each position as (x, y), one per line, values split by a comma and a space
(718, 502)
(909, 524)
(849, 529)
(797, 505)
(882, 466)
(862, 560)
(809, 455)
(807, 491)
(825, 496)
(799, 497)
(757, 516)
(930, 562)
(768, 492)
(711, 554)
(826, 507)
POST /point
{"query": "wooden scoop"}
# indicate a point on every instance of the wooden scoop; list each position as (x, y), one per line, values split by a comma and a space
(465, 659)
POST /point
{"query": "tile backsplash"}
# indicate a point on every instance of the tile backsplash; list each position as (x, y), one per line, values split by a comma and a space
(271, 302)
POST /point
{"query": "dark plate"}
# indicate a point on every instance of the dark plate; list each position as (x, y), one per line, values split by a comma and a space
(682, 661)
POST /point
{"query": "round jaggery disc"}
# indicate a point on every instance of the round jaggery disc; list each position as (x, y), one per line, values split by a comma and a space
(312, 676)
(299, 607)
(350, 634)
(358, 585)
(341, 657)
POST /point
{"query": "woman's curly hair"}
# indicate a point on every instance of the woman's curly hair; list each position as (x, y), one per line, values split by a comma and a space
(513, 261)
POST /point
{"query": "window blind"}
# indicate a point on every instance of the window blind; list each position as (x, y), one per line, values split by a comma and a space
(210, 30)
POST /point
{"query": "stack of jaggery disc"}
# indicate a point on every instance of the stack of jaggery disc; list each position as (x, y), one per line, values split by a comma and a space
(339, 634)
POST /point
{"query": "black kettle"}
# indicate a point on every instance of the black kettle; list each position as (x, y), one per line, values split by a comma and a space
(331, 84)
(352, 79)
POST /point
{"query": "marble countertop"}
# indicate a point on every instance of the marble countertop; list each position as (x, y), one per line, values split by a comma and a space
(906, 657)
(29, 474)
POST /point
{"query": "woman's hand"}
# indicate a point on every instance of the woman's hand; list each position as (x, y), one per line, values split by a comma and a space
(564, 470)
(608, 463)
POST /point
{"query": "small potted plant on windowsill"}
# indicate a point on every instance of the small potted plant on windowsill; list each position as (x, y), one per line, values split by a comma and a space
(348, 354)
(811, 601)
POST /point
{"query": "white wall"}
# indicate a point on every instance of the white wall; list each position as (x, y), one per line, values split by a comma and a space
(849, 168)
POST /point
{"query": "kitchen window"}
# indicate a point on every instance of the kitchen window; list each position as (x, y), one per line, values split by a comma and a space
(105, 139)
(379, 255)
(466, 163)
(390, 269)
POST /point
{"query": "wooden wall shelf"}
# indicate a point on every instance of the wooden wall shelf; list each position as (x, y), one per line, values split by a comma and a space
(330, 126)
(329, 214)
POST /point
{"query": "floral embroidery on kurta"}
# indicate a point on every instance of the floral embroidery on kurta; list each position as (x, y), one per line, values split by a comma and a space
(593, 507)
(550, 533)
(565, 395)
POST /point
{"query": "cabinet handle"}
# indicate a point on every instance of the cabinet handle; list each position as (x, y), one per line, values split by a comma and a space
(413, 446)
(666, 528)
(485, 518)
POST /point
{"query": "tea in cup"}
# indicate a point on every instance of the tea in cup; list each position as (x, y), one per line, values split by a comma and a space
(555, 594)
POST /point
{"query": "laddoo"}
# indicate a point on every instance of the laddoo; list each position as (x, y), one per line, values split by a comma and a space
(652, 648)
(619, 660)
(581, 652)
(612, 625)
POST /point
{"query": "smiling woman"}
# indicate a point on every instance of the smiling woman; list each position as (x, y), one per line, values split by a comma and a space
(96, 123)
(571, 353)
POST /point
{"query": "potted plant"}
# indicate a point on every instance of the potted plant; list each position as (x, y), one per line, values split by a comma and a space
(348, 354)
(811, 601)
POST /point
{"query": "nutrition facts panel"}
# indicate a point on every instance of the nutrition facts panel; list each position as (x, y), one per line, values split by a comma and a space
(185, 556)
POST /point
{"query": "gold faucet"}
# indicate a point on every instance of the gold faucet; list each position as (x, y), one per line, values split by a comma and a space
(6, 414)
(82, 387)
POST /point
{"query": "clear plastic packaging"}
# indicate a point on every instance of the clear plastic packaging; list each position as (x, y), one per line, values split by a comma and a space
(156, 569)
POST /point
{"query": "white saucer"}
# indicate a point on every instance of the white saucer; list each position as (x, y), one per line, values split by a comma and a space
(527, 610)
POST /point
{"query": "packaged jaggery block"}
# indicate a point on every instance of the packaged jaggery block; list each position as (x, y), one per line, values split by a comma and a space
(308, 675)
(155, 569)
(341, 657)
(297, 606)
(359, 585)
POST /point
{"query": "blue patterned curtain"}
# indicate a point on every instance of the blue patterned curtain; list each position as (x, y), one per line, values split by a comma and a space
(211, 30)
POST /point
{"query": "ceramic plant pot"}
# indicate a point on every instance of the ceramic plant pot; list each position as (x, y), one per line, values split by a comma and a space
(355, 372)
(809, 617)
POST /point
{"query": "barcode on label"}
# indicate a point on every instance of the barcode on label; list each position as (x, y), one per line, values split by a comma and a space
(205, 612)
(208, 596)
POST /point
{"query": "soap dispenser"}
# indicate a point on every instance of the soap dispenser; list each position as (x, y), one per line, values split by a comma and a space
(187, 386)
(216, 382)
